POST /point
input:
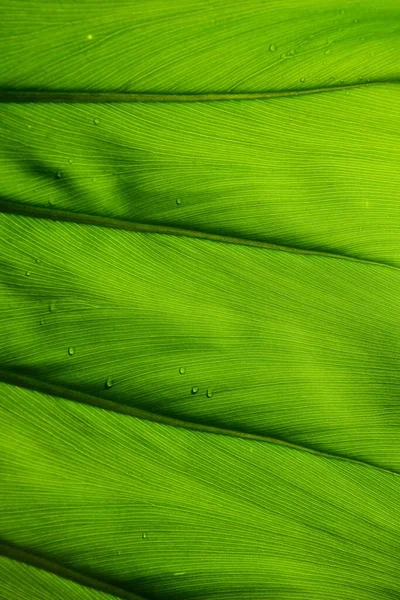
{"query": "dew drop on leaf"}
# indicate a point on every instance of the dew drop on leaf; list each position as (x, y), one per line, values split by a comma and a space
(178, 201)
(96, 121)
(71, 160)
(71, 350)
(302, 80)
(195, 389)
(209, 393)
(144, 536)
(272, 48)
(109, 382)
(41, 322)
(182, 370)
(58, 174)
(38, 261)
(28, 273)
(53, 305)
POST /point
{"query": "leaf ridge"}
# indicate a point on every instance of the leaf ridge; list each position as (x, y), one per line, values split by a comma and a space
(19, 380)
(23, 96)
(40, 562)
(41, 212)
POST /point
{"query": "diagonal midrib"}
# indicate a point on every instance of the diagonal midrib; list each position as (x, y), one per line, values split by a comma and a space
(52, 214)
(15, 378)
(41, 562)
(98, 97)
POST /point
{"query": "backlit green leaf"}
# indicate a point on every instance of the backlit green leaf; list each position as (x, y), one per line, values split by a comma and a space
(200, 300)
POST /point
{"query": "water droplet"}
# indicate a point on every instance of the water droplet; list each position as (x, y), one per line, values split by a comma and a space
(50, 202)
(94, 179)
(292, 52)
(182, 370)
(28, 273)
(38, 261)
(58, 174)
(89, 37)
(362, 39)
(109, 382)
(29, 126)
(302, 80)
(41, 321)
(96, 121)
(272, 48)
(355, 21)
(178, 201)
(209, 393)
(71, 350)
(342, 12)
(144, 536)
(283, 55)
(71, 160)
(53, 305)
(327, 51)
(195, 389)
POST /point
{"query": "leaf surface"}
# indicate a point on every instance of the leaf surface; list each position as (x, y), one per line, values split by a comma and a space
(199, 301)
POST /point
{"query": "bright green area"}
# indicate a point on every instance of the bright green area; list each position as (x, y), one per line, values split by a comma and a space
(170, 513)
(197, 45)
(318, 172)
(301, 348)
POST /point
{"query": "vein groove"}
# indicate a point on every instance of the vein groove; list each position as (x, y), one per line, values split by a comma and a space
(41, 212)
(40, 562)
(51, 389)
(23, 96)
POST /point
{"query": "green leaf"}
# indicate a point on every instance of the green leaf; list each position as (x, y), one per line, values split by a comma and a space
(199, 300)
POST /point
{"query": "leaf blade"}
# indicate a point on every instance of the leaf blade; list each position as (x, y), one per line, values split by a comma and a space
(260, 502)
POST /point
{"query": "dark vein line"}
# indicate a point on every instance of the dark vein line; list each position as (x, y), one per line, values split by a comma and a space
(41, 212)
(95, 97)
(52, 389)
(40, 562)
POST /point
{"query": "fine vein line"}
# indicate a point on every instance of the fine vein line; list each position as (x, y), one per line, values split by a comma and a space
(40, 562)
(95, 97)
(53, 214)
(14, 378)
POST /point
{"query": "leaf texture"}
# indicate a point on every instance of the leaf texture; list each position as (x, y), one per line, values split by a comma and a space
(199, 301)
(187, 47)
(174, 513)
